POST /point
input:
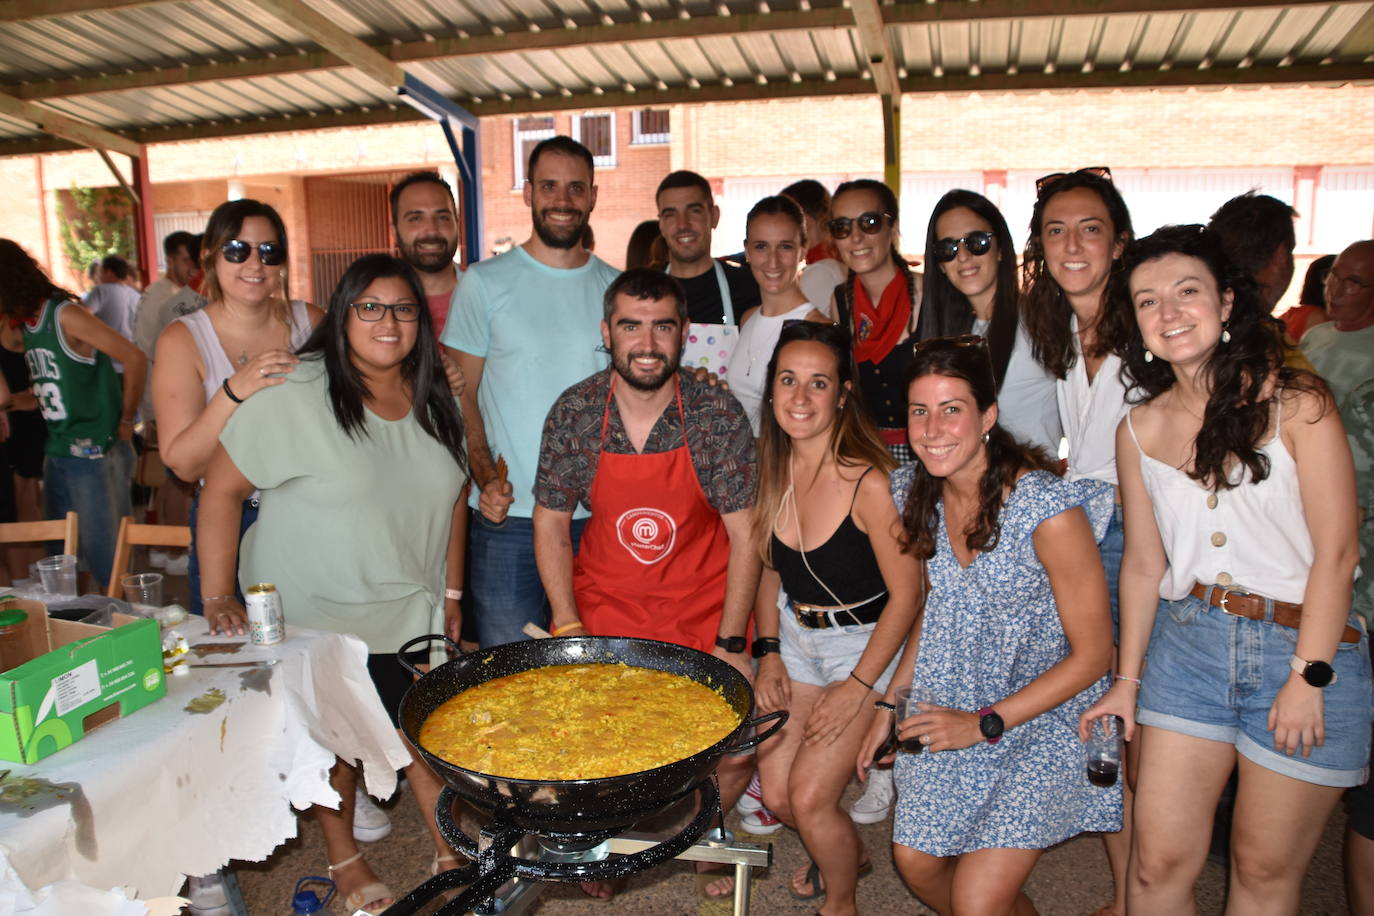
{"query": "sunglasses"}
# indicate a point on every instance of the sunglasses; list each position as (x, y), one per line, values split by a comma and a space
(976, 243)
(869, 223)
(375, 311)
(236, 251)
(1041, 184)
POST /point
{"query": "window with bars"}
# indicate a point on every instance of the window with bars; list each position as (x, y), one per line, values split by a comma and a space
(528, 132)
(597, 133)
(650, 125)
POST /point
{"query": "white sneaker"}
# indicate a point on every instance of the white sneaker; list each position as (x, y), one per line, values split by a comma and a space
(752, 799)
(370, 823)
(206, 893)
(178, 565)
(876, 802)
(157, 559)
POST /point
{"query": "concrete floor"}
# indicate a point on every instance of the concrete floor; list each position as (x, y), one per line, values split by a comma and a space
(1070, 880)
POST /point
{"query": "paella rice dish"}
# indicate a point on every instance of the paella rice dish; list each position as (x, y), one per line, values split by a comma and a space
(577, 722)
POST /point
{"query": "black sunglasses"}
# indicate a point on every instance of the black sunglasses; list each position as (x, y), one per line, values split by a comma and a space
(976, 243)
(236, 251)
(869, 223)
(375, 311)
(1100, 171)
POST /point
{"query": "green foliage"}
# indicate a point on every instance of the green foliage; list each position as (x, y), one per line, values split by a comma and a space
(93, 223)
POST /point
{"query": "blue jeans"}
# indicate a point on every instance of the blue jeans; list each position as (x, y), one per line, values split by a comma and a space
(503, 579)
(250, 515)
(1113, 545)
(97, 490)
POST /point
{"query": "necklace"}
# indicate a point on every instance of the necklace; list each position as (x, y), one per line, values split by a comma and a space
(243, 357)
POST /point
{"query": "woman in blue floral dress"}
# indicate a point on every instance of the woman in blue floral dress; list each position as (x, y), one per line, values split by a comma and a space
(1015, 643)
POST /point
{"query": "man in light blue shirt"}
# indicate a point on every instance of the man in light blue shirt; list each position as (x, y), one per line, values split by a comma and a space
(524, 326)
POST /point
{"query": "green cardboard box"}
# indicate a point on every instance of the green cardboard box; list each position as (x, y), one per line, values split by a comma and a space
(80, 676)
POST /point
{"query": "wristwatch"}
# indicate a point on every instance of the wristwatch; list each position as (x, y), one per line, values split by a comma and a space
(765, 644)
(732, 643)
(1318, 674)
(990, 724)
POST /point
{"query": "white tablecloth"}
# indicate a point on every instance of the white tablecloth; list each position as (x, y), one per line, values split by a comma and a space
(169, 793)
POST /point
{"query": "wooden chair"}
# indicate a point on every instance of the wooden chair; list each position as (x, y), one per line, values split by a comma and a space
(60, 529)
(131, 535)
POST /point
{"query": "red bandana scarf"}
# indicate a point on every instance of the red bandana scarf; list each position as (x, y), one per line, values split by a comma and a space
(876, 331)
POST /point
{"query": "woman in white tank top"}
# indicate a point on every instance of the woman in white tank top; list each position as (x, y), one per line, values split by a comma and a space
(1240, 511)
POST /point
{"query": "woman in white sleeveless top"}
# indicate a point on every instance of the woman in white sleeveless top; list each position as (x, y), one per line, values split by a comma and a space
(1240, 511)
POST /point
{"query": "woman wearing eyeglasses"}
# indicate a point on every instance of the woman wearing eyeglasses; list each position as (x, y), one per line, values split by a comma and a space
(358, 455)
(210, 361)
(1013, 645)
(879, 303)
(974, 290)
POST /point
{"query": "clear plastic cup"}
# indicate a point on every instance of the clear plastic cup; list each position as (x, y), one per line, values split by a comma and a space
(906, 699)
(1104, 751)
(58, 575)
(143, 591)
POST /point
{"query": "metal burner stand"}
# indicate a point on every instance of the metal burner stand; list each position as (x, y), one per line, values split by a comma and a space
(504, 879)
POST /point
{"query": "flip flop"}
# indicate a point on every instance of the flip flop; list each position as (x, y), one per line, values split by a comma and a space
(813, 878)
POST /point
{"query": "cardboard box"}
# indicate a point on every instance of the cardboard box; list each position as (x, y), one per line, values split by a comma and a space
(80, 676)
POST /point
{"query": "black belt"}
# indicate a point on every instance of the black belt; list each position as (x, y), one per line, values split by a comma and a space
(813, 617)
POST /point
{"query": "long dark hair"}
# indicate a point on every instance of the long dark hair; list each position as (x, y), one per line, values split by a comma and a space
(1045, 311)
(1006, 457)
(853, 441)
(24, 286)
(435, 409)
(1242, 374)
(956, 312)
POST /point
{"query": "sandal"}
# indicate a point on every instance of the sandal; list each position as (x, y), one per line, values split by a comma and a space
(813, 878)
(368, 893)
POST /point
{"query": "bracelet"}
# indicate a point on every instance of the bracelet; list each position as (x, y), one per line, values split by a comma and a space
(884, 704)
(230, 392)
(559, 631)
(455, 593)
(1127, 677)
(219, 598)
(860, 680)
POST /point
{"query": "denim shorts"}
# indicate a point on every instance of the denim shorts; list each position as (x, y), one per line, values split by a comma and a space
(1214, 675)
(822, 657)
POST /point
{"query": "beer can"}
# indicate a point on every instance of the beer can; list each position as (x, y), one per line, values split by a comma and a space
(266, 622)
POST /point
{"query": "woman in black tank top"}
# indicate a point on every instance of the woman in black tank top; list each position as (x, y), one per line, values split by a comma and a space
(828, 533)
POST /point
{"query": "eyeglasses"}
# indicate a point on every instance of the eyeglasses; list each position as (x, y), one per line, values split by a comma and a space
(870, 223)
(374, 311)
(1041, 184)
(976, 243)
(1345, 284)
(940, 343)
(236, 251)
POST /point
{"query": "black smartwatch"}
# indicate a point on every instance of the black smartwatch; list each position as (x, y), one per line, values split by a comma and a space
(765, 644)
(1318, 674)
(732, 643)
(990, 724)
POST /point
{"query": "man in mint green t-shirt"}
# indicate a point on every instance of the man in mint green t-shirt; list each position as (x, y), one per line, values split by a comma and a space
(524, 326)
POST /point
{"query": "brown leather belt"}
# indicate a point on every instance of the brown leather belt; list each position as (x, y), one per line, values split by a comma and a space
(1251, 606)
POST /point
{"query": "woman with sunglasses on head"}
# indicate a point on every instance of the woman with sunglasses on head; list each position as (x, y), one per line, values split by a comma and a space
(774, 241)
(970, 281)
(358, 455)
(828, 533)
(1241, 512)
(212, 360)
(879, 303)
(1014, 643)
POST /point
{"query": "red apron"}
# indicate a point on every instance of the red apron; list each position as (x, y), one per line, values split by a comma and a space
(653, 556)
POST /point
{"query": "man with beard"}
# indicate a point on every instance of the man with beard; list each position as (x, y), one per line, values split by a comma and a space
(523, 328)
(425, 219)
(667, 466)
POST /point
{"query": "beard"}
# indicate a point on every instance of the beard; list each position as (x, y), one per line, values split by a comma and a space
(429, 262)
(558, 237)
(625, 369)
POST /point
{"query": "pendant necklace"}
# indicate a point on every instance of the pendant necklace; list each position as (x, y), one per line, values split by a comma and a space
(243, 357)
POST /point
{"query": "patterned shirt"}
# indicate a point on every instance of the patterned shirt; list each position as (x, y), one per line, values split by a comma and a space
(718, 436)
(1358, 415)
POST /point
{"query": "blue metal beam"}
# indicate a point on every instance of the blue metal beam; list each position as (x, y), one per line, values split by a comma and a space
(467, 155)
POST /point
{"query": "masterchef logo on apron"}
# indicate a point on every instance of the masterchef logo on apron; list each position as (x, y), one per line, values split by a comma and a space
(648, 534)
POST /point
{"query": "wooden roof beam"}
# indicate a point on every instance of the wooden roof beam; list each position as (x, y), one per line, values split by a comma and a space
(868, 17)
(19, 10)
(350, 49)
(68, 128)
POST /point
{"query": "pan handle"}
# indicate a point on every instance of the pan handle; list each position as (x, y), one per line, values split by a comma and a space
(781, 717)
(401, 652)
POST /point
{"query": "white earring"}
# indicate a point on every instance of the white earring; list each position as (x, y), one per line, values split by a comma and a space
(1149, 357)
(1225, 336)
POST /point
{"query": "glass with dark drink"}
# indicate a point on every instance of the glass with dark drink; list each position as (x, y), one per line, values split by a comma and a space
(1104, 751)
(907, 700)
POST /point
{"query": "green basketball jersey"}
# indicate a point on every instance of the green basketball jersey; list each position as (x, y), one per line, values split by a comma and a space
(79, 396)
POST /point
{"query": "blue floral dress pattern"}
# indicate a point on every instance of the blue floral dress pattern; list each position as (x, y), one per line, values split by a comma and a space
(989, 630)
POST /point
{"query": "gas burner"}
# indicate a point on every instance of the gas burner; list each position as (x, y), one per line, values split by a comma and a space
(564, 857)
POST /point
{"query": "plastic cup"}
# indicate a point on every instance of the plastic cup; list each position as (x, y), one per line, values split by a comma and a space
(58, 575)
(143, 590)
(906, 699)
(1104, 752)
